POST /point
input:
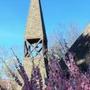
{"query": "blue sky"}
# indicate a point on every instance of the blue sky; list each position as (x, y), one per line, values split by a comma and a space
(13, 18)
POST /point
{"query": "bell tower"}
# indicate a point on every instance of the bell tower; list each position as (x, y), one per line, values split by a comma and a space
(35, 43)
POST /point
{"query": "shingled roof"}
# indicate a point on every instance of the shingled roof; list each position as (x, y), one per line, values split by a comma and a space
(81, 47)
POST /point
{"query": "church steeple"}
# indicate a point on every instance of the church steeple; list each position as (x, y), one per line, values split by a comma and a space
(35, 43)
(35, 24)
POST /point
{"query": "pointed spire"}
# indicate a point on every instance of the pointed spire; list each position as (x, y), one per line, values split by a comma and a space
(35, 25)
(35, 44)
